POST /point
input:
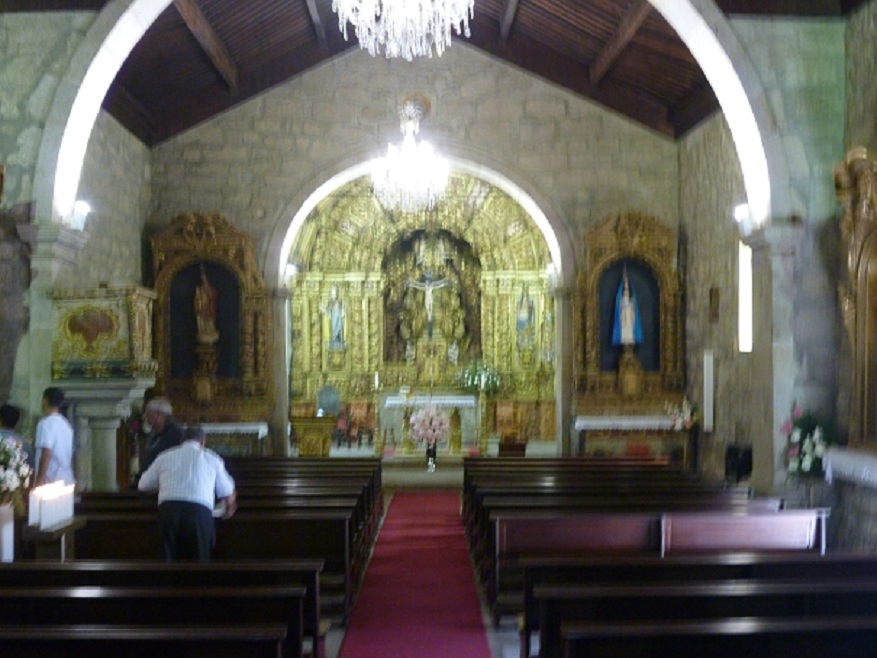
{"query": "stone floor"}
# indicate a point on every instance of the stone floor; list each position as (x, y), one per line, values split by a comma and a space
(410, 472)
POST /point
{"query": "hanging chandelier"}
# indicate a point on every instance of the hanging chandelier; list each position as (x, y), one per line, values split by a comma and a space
(404, 28)
(412, 176)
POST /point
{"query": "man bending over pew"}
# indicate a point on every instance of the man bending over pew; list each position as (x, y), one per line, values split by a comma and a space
(189, 479)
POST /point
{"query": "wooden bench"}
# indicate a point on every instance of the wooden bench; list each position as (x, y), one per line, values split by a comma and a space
(158, 606)
(635, 532)
(138, 641)
(831, 637)
(299, 534)
(98, 573)
(605, 570)
(602, 602)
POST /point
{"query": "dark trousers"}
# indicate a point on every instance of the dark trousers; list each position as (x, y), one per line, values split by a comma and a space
(186, 531)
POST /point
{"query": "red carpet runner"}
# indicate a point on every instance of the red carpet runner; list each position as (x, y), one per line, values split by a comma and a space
(419, 598)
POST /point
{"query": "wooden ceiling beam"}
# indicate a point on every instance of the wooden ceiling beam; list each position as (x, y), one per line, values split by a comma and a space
(636, 14)
(317, 22)
(208, 39)
(508, 19)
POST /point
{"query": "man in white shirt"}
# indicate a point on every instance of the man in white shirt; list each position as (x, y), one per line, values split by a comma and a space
(189, 479)
(54, 441)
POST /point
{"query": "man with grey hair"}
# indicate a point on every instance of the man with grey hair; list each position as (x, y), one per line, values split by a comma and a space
(189, 479)
(166, 431)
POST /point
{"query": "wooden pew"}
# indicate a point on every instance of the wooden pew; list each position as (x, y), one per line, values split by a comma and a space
(158, 606)
(137, 641)
(606, 570)
(802, 637)
(299, 534)
(641, 532)
(561, 604)
(98, 573)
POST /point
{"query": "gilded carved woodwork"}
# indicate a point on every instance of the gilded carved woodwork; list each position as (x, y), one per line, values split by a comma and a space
(644, 239)
(854, 186)
(188, 241)
(102, 333)
(477, 258)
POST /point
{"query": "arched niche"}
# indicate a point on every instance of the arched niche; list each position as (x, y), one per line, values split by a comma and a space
(606, 382)
(228, 378)
(854, 181)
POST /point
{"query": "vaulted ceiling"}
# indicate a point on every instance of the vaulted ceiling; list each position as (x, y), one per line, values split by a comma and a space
(201, 57)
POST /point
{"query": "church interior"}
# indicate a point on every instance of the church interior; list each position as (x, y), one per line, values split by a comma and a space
(627, 233)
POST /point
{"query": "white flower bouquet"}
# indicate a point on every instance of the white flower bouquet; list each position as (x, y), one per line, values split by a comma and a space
(429, 425)
(14, 473)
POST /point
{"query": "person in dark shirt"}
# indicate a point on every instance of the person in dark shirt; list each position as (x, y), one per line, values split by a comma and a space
(166, 431)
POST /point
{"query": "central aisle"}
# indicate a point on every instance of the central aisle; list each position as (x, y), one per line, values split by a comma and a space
(419, 598)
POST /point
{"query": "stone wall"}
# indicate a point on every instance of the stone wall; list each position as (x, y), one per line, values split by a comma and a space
(582, 161)
(35, 50)
(861, 77)
(711, 184)
(115, 182)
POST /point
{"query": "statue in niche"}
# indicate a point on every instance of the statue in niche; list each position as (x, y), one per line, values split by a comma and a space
(524, 320)
(453, 353)
(336, 311)
(627, 329)
(205, 311)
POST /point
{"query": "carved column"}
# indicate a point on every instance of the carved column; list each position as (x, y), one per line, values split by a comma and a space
(563, 368)
(279, 422)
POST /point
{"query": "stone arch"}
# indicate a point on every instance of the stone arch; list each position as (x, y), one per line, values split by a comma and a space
(709, 37)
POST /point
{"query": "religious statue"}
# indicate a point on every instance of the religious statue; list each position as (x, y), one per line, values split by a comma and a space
(524, 318)
(428, 286)
(336, 311)
(453, 353)
(627, 329)
(205, 311)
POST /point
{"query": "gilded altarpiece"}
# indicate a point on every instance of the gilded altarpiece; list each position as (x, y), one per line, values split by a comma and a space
(634, 380)
(855, 181)
(213, 358)
(386, 301)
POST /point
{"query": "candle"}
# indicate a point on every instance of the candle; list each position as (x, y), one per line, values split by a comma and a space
(377, 380)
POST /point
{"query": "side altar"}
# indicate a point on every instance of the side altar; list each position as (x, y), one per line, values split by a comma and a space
(396, 409)
(614, 436)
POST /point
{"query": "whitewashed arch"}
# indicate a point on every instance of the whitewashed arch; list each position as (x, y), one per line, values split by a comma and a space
(121, 24)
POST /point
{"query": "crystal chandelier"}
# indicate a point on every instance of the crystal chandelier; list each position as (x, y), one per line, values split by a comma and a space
(404, 28)
(412, 176)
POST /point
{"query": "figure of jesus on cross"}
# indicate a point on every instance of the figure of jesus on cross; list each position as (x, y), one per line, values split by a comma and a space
(427, 286)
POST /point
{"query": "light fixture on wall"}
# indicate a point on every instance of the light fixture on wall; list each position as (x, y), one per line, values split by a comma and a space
(79, 215)
(412, 176)
(404, 28)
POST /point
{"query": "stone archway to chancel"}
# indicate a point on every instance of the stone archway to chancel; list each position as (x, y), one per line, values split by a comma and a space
(423, 296)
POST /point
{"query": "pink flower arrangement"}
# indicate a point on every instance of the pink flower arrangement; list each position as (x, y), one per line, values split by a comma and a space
(429, 425)
(805, 443)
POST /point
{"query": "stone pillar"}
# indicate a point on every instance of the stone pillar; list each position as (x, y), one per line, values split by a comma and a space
(279, 421)
(53, 249)
(563, 360)
(99, 407)
(775, 371)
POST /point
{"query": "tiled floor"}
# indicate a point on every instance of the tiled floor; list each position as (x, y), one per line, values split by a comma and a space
(409, 472)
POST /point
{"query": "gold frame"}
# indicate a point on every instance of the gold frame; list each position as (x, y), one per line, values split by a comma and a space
(628, 236)
(854, 186)
(190, 238)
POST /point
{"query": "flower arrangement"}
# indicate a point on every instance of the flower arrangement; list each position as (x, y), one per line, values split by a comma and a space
(805, 443)
(479, 376)
(684, 414)
(14, 473)
(429, 425)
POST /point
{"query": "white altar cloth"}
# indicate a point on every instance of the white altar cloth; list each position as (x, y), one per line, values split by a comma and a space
(259, 429)
(852, 465)
(457, 401)
(623, 423)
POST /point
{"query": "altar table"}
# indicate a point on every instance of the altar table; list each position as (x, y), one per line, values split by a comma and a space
(640, 435)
